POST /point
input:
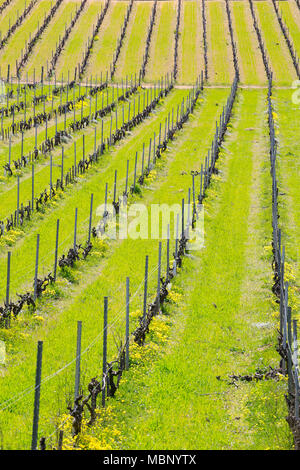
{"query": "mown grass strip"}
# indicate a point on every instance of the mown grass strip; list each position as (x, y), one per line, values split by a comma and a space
(216, 327)
(49, 39)
(77, 41)
(251, 65)
(288, 165)
(16, 43)
(25, 248)
(291, 17)
(10, 15)
(162, 46)
(119, 264)
(280, 60)
(131, 56)
(190, 47)
(106, 43)
(219, 48)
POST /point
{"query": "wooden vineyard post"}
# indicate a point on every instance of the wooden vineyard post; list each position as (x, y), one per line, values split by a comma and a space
(75, 228)
(115, 186)
(56, 250)
(168, 253)
(38, 374)
(36, 266)
(295, 341)
(289, 349)
(176, 246)
(32, 187)
(7, 323)
(127, 323)
(158, 276)
(145, 289)
(62, 166)
(18, 200)
(75, 159)
(78, 359)
(126, 185)
(201, 182)
(51, 169)
(104, 357)
(91, 218)
(135, 166)
(182, 219)
(188, 214)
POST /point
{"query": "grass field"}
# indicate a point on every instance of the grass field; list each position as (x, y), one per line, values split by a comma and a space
(251, 65)
(289, 172)
(220, 66)
(46, 46)
(220, 315)
(291, 16)
(131, 56)
(281, 62)
(11, 52)
(202, 378)
(10, 15)
(123, 251)
(190, 46)
(162, 45)
(108, 37)
(78, 39)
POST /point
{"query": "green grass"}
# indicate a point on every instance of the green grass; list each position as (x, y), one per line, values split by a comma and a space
(95, 180)
(76, 44)
(108, 36)
(190, 46)
(172, 399)
(12, 51)
(97, 278)
(280, 59)
(42, 170)
(288, 180)
(131, 57)
(161, 51)
(291, 17)
(43, 50)
(250, 62)
(220, 65)
(106, 96)
(10, 15)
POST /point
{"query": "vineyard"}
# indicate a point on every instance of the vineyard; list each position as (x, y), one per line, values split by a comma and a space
(149, 224)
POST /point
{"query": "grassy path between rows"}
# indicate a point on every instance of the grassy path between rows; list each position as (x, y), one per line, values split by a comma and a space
(288, 115)
(63, 207)
(250, 62)
(47, 44)
(10, 15)
(88, 105)
(179, 397)
(105, 46)
(190, 43)
(279, 55)
(42, 164)
(161, 52)
(131, 57)
(12, 51)
(76, 44)
(220, 65)
(82, 298)
(291, 16)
